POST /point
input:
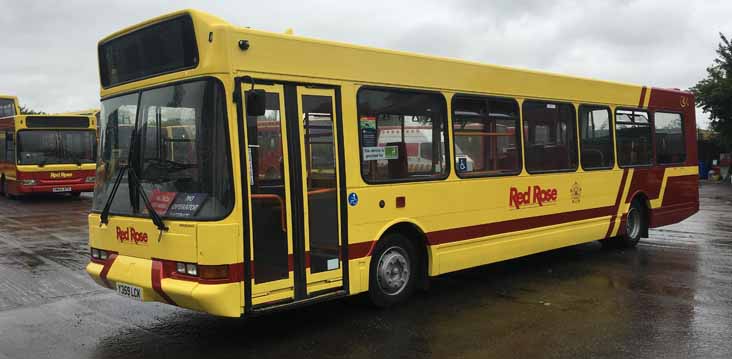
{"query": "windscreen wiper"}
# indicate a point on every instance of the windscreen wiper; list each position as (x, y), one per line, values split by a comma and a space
(136, 186)
(135, 182)
(76, 159)
(104, 217)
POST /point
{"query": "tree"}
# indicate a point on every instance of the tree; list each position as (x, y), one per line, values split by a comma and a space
(28, 111)
(714, 93)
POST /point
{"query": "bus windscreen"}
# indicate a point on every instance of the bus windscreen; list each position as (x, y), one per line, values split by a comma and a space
(41, 147)
(156, 49)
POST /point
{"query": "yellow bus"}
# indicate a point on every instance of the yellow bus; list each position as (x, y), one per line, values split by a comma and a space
(47, 154)
(316, 170)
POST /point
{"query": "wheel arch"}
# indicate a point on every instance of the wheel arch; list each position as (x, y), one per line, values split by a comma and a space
(414, 233)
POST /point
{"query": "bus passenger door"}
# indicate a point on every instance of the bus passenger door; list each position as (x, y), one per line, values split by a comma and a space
(319, 179)
(270, 237)
(294, 198)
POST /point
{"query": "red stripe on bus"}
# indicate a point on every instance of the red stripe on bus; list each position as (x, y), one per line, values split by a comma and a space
(488, 229)
(642, 97)
(156, 276)
(647, 181)
(105, 270)
(618, 198)
(360, 250)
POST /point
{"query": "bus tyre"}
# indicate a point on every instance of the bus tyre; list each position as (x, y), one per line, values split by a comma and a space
(634, 225)
(393, 272)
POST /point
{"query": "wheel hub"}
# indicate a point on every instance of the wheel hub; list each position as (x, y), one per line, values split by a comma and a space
(393, 271)
(632, 227)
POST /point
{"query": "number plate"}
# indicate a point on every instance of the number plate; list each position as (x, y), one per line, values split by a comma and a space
(129, 291)
(62, 189)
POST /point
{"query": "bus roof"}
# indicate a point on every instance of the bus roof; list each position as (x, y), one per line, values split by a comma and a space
(310, 58)
(89, 112)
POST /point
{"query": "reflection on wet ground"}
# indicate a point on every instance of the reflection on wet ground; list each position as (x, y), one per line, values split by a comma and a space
(671, 297)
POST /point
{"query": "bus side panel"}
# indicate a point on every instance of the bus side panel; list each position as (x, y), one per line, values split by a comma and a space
(481, 221)
(582, 211)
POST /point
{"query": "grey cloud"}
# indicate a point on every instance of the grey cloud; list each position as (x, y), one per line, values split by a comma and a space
(49, 49)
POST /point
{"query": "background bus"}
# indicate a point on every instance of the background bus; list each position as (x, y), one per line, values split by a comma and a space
(9, 106)
(47, 154)
(342, 169)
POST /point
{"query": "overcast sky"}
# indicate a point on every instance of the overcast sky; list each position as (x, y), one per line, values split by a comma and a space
(48, 49)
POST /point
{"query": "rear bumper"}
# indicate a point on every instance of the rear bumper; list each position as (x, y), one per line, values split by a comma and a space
(84, 187)
(217, 299)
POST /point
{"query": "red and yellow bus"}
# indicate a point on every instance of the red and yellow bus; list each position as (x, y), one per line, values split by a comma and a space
(337, 169)
(47, 154)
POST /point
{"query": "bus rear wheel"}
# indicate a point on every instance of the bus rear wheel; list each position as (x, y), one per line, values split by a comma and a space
(634, 225)
(393, 270)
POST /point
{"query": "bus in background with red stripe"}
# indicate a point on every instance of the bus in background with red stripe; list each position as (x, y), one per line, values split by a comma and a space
(47, 154)
(338, 169)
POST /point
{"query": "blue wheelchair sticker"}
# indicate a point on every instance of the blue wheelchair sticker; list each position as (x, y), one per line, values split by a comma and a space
(462, 164)
(353, 199)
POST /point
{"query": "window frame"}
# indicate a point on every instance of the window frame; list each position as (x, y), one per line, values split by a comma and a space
(448, 153)
(576, 137)
(651, 126)
(227, 120)
(519, 132)
(611, 119)
(655, 140)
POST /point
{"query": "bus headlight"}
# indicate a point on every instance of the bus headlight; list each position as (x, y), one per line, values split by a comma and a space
(99, 254)
(191, 269)
(186, 268)
(91, 179)
(28, 182)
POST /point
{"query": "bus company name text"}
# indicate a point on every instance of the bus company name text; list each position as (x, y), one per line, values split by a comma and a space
(532, 196)
(131, 235)
(55, 175)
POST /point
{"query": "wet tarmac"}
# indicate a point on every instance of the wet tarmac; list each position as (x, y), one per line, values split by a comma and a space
(669, 298)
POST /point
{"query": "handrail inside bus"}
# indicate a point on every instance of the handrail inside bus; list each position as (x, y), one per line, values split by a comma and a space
(282, 206)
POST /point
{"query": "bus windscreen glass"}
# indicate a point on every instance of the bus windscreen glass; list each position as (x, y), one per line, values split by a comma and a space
(157, 49)
(41, 147)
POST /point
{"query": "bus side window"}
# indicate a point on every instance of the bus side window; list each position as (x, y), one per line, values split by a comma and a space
(3, 145)
(10, 148)
(596, 145)
(396, 129)
(486, 136)
(670, 145)
(550, 138)
(633, 133)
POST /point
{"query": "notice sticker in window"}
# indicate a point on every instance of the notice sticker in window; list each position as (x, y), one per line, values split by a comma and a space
(551, 105)
(161, 201)
(186, 205)
(380, 153)
(368, 122)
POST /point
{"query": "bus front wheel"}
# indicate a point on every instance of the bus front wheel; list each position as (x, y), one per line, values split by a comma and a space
(393, 270)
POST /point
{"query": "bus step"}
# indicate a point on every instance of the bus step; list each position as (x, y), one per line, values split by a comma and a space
(261, 309)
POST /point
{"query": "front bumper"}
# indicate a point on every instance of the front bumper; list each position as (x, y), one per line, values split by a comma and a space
(217, 299)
